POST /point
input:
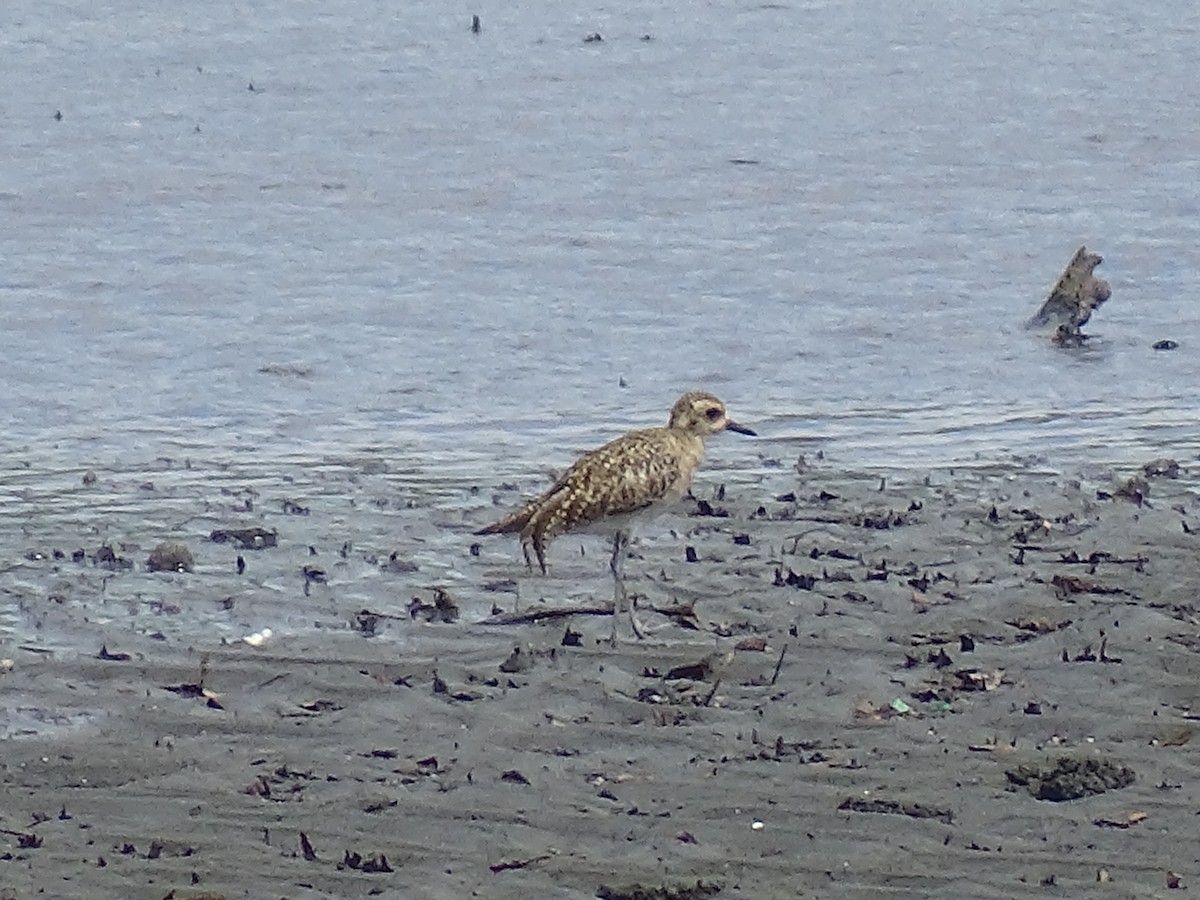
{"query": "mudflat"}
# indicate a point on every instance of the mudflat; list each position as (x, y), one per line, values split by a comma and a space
(980, 682)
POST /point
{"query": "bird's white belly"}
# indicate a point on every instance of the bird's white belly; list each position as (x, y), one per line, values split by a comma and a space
(630, 522)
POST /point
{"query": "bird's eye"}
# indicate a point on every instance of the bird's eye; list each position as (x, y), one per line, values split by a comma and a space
(713, 414)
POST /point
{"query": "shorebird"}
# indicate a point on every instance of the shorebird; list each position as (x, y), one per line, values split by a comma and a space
(610, 488)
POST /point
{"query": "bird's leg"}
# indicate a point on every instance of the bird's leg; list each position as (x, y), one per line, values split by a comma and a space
(538, 545)
(620, 595)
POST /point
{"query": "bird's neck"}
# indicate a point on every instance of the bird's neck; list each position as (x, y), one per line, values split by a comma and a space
(691, 443)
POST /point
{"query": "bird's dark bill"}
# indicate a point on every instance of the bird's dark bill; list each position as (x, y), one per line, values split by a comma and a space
(740, 429)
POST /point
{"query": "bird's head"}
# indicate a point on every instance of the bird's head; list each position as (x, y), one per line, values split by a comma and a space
(702, 414)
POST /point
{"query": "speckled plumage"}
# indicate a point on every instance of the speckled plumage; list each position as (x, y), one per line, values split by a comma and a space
(608, 487)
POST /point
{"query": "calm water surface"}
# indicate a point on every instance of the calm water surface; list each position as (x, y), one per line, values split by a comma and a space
(412, 242)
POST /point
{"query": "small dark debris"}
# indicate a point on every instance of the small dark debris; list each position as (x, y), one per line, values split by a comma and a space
(682, 614)
(742, 540)
(509, 865)
(399, 566)
(1065, 585)
(107, 558)
(751, 645)
(367, 623)
(1165, 345)
(320, 706)
(683, 891)
(895, 808)
(428, 765)
(194, 690)
(689, 553)
(476, 27)
(518, 661)
(1088, 656)
(1136, 490)
(246, 538)
(380, 806)
(306, 848)
(112, 657)
(1069, 336)
(572, 638)
(370, 865)
(793, 580)
(941, 659)
(442, 609)
(697, 671)
(704, 508)
(593, 38)
(28, 841)
(879, 520)
(512, 776)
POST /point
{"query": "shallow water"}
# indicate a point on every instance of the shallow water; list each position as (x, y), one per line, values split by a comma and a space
(438, 243)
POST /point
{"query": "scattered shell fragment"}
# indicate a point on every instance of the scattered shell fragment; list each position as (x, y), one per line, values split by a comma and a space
(258, 638)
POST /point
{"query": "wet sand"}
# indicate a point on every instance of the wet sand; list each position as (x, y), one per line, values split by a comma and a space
(863, 665)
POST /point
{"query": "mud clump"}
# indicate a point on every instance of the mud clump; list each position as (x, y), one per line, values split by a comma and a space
(1161, 468)
(1071, 778)
(106, 558)
(170, 557)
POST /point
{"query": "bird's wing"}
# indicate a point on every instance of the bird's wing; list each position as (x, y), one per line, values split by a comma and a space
(621, 477)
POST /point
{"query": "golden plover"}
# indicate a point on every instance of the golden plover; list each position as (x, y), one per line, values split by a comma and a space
(609, 488)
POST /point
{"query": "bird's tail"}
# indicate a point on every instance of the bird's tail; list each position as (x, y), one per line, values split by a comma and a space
(510, 524)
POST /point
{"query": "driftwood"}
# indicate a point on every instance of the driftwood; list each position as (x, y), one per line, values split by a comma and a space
(1076, 294)
(547, 612)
